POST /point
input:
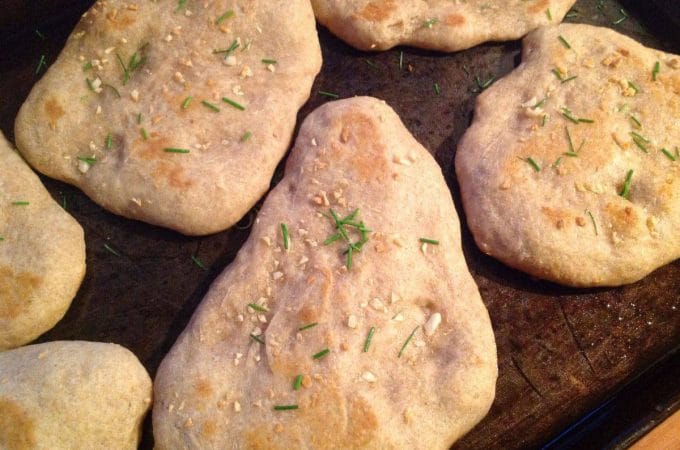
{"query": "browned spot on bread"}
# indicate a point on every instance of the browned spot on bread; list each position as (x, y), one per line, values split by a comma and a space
(454, 20)
(15, 290)
(362, 422)
(17, 431)
(173, 173)
(539, 7)
(378, 10)
(360, 132)
(120, 20)
(209, 429)
(623, 219)
(203, 389)
(54, 112)
(558, 217)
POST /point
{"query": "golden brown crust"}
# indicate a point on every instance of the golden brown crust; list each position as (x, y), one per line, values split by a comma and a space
(349, 154)
(42, 254)
(444, 25)
(569, 222)
(116, 98)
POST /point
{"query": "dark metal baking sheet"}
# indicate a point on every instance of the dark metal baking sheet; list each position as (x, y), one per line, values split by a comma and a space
(578, 368)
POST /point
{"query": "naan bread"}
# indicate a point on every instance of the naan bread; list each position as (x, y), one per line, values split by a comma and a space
(430, 370)
(445, 25)
(577, 202)
(128, 112)
(42, 254)
(71, 396)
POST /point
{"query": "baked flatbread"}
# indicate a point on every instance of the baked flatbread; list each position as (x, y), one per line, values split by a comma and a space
(571, 168)
(72, 395)
(42, 254)
(281, 353)
(174, 113)
(445, 25)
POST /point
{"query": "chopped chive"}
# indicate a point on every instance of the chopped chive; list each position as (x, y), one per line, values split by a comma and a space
(625, 190)
(401, 60)
(640, 141)
(635, 121)
(87, 66)
(233, 103)
(428, 241)
(308, 326)
(564, 41)
(592, 220)
(21, 203)
(246, 136)
(109, 141)
(224, 16)
(656, 70)
(40, 35)
(349, 252)
(115, 91)
(437, 89)
(321, 354)
(286, 237)
(635, 87)
(297, 384)
(623, 17)
(533, 164)
(285, 407)
(329, 94)
(430, 23)
(483, 84)
(111, 250)
(548, 14)
(145, 135)
(373, 65)
(198, 262)
(540, 103)
(369, 338)
(187, 102)
(269, 61)
(403, 347)
(209, 105)
(234, 45)
(87, 159)
(573, 77)
(569, 141)
(176, 150)
(257, 307)
(41, 64)
(181, 4)
(670, 155)
(256, 339)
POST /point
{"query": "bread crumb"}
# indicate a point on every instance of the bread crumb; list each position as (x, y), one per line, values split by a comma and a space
(237, 406)
(352, 321)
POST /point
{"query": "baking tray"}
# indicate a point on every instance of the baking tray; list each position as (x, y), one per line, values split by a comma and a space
(590, 368)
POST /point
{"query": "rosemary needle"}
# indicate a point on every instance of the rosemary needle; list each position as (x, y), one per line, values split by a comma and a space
(321, 354)
(297, 384)
(257, 307)
(284, 234)
(285, 407)
(308, 326)
(429, 241)
(233, 103)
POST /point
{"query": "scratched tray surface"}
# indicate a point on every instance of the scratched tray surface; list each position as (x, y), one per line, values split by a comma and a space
(562, 352)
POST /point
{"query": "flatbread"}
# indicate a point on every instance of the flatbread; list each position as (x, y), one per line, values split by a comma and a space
(42, 254)
(443, 25)
(121, 135)
(577, 221)
(421, 384)
(72, 395)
